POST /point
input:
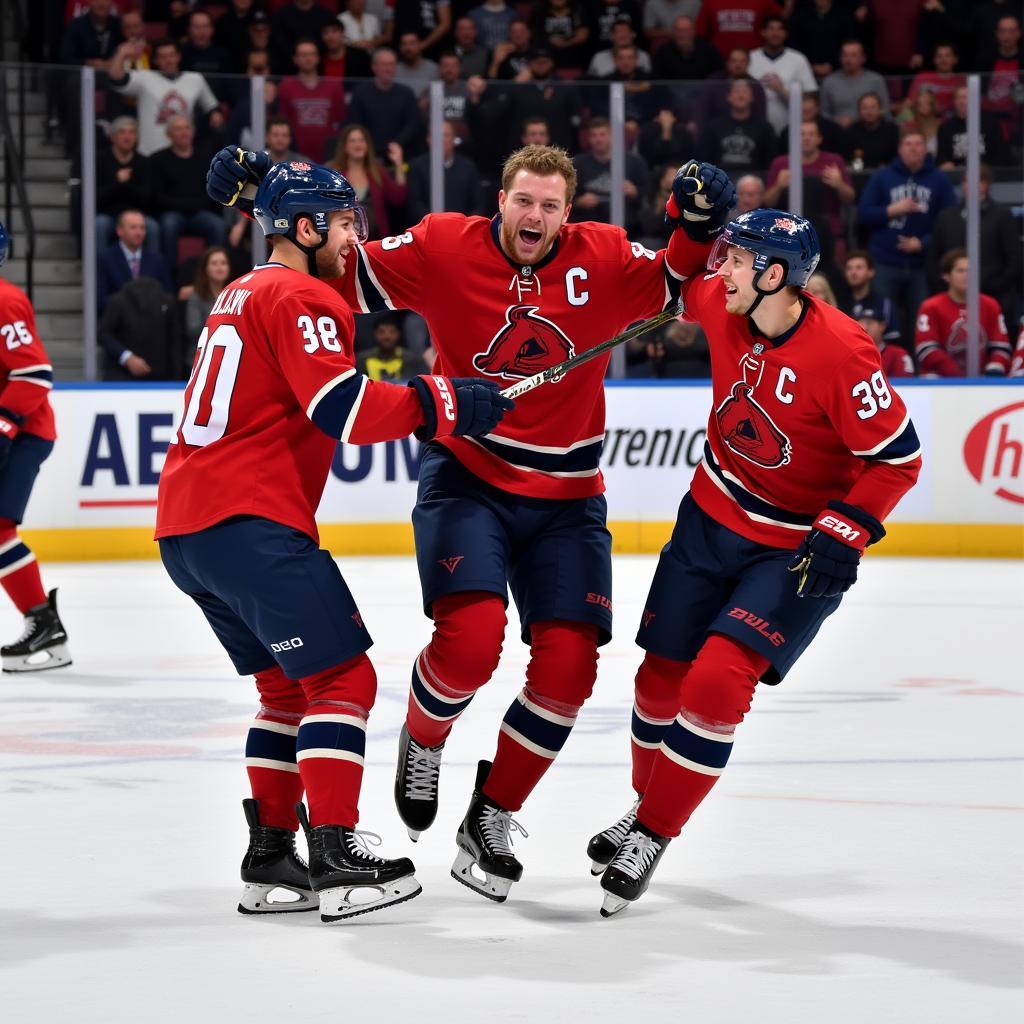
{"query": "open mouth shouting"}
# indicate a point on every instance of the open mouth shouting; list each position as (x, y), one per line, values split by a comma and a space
(530, 239)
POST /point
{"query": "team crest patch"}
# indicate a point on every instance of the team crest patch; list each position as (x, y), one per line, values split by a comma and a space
(524, 345)
(787, 224)
(749, 431)
(299, 165)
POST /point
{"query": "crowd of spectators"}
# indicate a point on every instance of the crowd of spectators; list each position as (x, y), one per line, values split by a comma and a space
(883, 139)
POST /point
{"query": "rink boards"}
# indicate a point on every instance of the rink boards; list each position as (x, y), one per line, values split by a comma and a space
(96, 496)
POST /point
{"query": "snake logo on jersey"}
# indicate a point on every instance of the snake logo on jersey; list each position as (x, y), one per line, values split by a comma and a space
(525, 344)
(746, 428)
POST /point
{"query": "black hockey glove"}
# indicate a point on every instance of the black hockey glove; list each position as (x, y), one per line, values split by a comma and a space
(702, 197)
(827, 559)
(459, 405)
(10, 424)
(234, 176)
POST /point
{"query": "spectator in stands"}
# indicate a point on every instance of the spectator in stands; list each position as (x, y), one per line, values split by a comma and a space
(510, 57)
(685, 55)
(298, 19)
(92, 38)
(652, 230)
(559, 105)
(139, 334)
(900, 204)
(922, 115)
(660, 18)
(123, 182)
(535, 132)
(828, 168)
(942, 82)
(642, 100)
(473, 56)
(315, 106)
(239, 124)
(841, 91)
(213, 273)
(1004, 68)
(894, 25)
(819, 287)
(818, 30)
(561, 25)
(259, 42)
(678, 350)
(278, 141)
(602, 64)
(859, 293)
(872, 140)
(999, 243)
(429, 20)
(461, 181)
(601, 18)
(665, 140)
(388, 360)
(492, 20)
(778, 68)
(386, 107)
(593, 169)
(739, 142)
(127, 259)
(200, 53)
(179, 178)
(377, 190)
(449, 70)
(340, 59)
(231, 29)
(940, 341)
(896, 361)
(413, 69)
(737, 23)
(134, 30)
(749, 193)
(167, 90)
(713, 96)
(951, 146)
(833, 138)
(363, 29)
(177, 23)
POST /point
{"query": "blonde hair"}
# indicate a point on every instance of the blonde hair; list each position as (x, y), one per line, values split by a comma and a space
(827, 294)
(542, 160)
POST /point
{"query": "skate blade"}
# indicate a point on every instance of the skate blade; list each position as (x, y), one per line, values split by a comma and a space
(413, 834)
(41, 661)
(276, 899)
(597, 868)
(347, 901)
(492, 887)
(612, 905)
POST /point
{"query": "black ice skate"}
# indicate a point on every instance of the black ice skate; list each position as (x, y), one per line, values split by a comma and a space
(603, 846)
(484, 839)
(348, 878)
(275, 877)
(627, 877)
(416, 784)
(44, 643)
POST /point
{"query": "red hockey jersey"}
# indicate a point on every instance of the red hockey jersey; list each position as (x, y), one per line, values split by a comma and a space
(273, 388)
(797, 422)
(940, 339)
(28, 375)
(1017, 366)
(490, 317)
(896, 361)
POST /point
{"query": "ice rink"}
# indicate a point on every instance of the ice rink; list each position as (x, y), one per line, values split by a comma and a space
(859, 861)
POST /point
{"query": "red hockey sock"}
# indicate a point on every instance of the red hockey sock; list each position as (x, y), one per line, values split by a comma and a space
(462, 655)
(559, 678)
(270, 749)
(657, 696)
(19, 570)
(331, 740)
(716, 695)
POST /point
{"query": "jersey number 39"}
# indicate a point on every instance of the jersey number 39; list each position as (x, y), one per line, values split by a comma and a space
(873, 395)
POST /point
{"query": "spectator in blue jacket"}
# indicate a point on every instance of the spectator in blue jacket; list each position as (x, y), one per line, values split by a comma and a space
(899, 205)
(127, 259)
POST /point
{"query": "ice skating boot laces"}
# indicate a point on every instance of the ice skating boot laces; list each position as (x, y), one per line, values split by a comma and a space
(636, 854)
(423, 767)
(497, 827)
(31, 623)
(358, 843)
(617, 832)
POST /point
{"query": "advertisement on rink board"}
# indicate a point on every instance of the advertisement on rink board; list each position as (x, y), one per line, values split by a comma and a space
(96, 495)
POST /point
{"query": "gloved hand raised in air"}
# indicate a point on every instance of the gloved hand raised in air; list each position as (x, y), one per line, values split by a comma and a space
(701, 199)
(827, 559)
(459, 405)
(234, 176)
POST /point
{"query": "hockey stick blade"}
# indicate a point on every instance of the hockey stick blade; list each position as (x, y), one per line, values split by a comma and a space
(557, 372)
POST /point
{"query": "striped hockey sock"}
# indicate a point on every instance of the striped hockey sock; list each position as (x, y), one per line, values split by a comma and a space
(434, 707)
(330, 747)
(270, 764)
(19, 572)
(658, 695)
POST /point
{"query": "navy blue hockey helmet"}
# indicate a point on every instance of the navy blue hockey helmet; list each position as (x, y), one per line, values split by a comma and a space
(294, 188)
(773, 236)
(5, 244)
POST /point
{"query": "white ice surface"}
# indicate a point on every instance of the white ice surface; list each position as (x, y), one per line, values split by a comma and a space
(859, 862)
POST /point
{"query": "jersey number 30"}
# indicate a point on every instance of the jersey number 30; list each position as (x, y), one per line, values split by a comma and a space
(208, 395)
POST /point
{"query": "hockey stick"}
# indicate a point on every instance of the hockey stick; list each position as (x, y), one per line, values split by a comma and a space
(555, 373)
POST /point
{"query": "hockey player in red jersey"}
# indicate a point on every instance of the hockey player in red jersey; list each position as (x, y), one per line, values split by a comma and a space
(940, 339)
(521, 508)
(273, 388)
(896, 361)
(808, 449)
(27, 434)
(1017, 366)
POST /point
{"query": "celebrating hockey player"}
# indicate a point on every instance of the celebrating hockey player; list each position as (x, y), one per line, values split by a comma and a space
(521, 507)
(273, 389)
(808, 450)
(27, 434)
